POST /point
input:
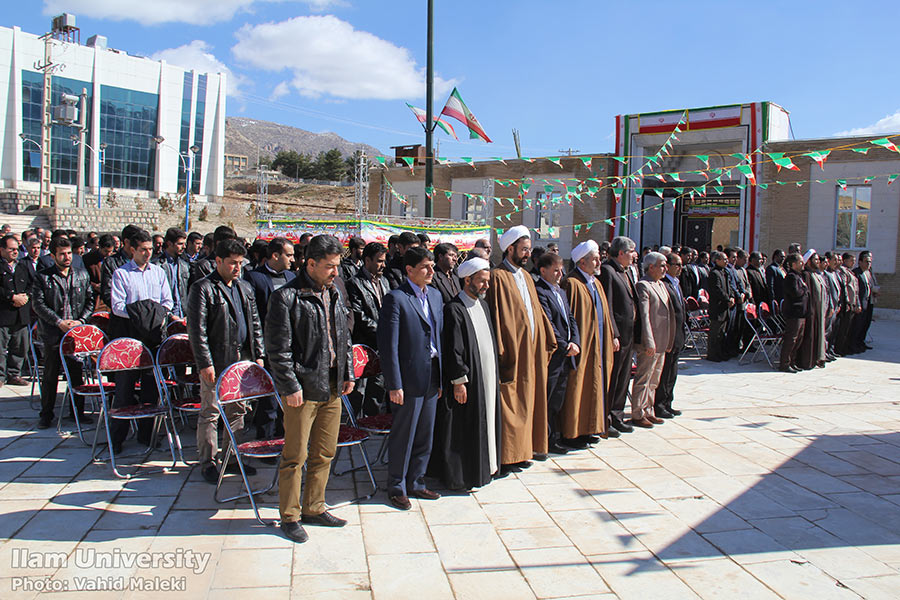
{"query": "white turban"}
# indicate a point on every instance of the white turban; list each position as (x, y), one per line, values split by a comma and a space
(472, 266)
(513, 235)
(808, 255)
(583, 249)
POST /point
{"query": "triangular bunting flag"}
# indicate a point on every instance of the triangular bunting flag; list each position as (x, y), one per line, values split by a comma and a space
(409, 162)
(704, 158)
(842, 183)
(892, 178)
(556, 161)
(587, 161)
(819, 156)
(886, 144)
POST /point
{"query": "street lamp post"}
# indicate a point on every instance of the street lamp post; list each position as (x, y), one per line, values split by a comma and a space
(188, 167)
(100, 154)
(40, 148)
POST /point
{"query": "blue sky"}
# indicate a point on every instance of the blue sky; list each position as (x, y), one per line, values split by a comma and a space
(556, 70)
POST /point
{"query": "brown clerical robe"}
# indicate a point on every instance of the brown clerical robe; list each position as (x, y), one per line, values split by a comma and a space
(522, 366)
(583, 411)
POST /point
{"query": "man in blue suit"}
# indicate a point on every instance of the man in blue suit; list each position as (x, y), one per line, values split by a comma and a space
(271, 274)
(409, 345)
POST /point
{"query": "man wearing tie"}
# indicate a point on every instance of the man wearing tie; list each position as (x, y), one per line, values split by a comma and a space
(555, 303)
(409, 345)
(665, 391)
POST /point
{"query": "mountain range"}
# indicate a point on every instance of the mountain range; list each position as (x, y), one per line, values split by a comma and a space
(247, 136)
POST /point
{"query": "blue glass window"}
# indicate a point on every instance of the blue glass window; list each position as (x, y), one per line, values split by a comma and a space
(198, 132)
(186, 98)
(128, 121)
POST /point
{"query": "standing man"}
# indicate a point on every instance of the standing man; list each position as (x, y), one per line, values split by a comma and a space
(665, 391)
(14, 312)
(720, 301)
(775, 275)
(525, 342)
(796, 310)
(93, 261)
(584, 412)
(308, 344)
(851, 305)
(62, 300)
(445, 278)
(758, 290)
(206, 265)
(224, 328)
(193, 246)
(620, 297)
(177, 269)
(271, 274)
(353, 262)
(834, 290)
(467, 427)
(656, 340)
(409, 345)
(555, 303)
(396, 270)
(863, 319)
(109, 266)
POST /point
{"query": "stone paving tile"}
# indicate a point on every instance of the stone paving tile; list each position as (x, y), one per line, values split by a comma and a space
(797, 579)
(559, 572)
(639, 575)
(408, 576)
(491, 585)
(722, 578)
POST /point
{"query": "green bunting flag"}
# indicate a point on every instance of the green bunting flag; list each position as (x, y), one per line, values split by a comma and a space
(570, 189)
(886, 144)
(608, 221)
(861, 150)
(842, 183)
(429, 191)
(526, 159)
(617, 193)
(556, 161)
(593, 190)
(892, 178)
(679, 190)
(674, 176)
(819, 156)
(449, 195)
(638, 192)
(741, 186)
(719, 189)
(525, 187)
(704, 158)
(381, 160)
(499, 159)
(548, 189)
(747, 171)
(658, 192)
(868, 180)
(409, 162)
(500, 231)
(821, 181)
(780, 161)
(586, 160)
(577, 229)
(621, 159)
(763, 186)
(468, 160)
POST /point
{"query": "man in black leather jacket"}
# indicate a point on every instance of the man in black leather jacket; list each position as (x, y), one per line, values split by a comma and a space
(178, 270)
(224, 328)
(63, 299)
(309, 350)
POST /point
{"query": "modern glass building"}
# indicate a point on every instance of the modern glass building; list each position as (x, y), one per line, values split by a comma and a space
(142, 119)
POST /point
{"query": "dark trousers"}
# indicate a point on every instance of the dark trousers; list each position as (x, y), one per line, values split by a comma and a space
(790, 343)
(665, 391)
(126, 396)
(734, 332)
(409, 443)
(843, 340)
(715, 339)
(50, 381)
(13, 344)
(618, 381)
(557, 378)
(860, 328)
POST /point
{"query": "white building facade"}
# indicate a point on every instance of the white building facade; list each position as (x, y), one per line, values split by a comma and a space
(142, 118)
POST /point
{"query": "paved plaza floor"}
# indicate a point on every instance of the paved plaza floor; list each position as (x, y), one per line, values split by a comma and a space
(770, 485)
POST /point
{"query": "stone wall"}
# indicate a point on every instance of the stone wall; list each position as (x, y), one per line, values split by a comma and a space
(14, 202)
(105, 220)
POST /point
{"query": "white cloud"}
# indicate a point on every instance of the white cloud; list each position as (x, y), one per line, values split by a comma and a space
(328, 57)
(155, 12)
(281, 90)
(198, 56)
(889, 124)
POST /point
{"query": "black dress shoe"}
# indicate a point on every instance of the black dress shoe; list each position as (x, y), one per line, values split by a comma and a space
(400, 502)
(293, 531)
(539, 456)
(574, 444)
(662, 413)
(612, 432)
(234, 469)
(325, 519)
(426, 494)
(211, 475)
(673, 412)
(45, 423)
(511, 468)
(787, 369)
(622, 426)
(589, 439)
(556, 448)
(16, 381)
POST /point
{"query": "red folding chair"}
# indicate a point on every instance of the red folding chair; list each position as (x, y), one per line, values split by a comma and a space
(119, 356)
(246, 381)
(703, 297)
(84, 344)
(763, 337)
(173, 355)
(367, 364)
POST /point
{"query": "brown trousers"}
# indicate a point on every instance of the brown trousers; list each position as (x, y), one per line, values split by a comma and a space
(790, 341)
(310, 437)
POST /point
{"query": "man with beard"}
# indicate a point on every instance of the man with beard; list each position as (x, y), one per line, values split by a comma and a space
(812, 347)
(525, 343)
(863, 320)
(757, 280)
(775, 275)
(584, 412)
(720, 301)
(445, 279)
(396, 270)
(467, 423)
(850, 307)
(796, 309)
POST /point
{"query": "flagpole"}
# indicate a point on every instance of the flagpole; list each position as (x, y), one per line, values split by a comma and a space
(429, 112)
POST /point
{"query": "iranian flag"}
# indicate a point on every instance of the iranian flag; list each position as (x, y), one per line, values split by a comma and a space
(421, 115)
(457, 109)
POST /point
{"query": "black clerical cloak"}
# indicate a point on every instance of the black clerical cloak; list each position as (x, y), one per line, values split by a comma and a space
(460, 455)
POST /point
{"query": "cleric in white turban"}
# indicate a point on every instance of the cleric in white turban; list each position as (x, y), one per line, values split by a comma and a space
(513, 235)
(583, 249)
(465, 453)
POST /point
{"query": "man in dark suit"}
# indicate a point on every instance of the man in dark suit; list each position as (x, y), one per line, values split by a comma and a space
(758, 288)
(271, 274)
(721, 300)
(862, 321)
(46, 261)
(619, 290)
(555, 303)
(14, 312)
(665, 391)
(445, 280)
(689, 280)
(409, 344)
(775, 275)
(396, 270)
(171, 260)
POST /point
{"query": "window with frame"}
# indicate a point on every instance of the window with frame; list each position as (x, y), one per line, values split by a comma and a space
(549, 215)
(852, 222)
(411, 208)
(474, 208)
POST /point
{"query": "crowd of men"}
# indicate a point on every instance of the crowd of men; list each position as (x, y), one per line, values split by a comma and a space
(484, 367)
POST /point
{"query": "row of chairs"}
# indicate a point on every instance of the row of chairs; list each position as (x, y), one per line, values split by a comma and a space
(177, 382)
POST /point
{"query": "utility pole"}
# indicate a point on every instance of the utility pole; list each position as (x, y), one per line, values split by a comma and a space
(429, 113)
(80, 197)
(47, 67)
(569, 152)
(361, 184)
(518, 144)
